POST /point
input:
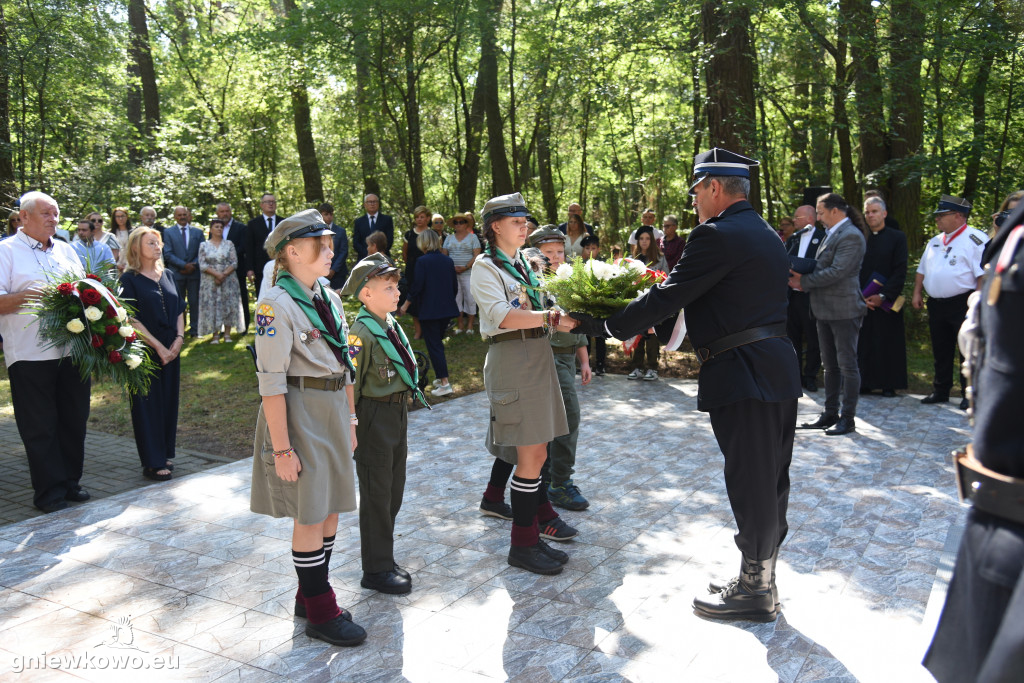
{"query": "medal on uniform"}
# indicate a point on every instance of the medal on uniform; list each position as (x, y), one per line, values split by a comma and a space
(952, 261)
(524, 299)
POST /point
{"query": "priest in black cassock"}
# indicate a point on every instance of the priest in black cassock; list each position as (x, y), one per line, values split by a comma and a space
(882, 347)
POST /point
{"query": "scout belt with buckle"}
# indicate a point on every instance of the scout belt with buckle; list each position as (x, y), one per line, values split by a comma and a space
(731, 341)
(514, 335)
(323, 384)
(987, 490)
(397, 397)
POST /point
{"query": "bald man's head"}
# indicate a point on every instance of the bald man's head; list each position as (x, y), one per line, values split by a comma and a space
(804, 216)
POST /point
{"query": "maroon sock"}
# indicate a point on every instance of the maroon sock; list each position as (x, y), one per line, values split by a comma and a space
(322, 608)
(494, 495)
(299, 597)
(525, 536)
(545, 513)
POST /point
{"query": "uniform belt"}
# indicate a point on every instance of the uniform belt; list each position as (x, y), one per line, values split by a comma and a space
(399, 397)
(988, 490)
(516, 335)
(564, 349)
(328, 384)
(731, 341)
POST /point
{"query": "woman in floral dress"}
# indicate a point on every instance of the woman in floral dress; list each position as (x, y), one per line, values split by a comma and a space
(220, 302)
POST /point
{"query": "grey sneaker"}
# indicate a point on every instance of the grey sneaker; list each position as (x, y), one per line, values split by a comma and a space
(636, 374)
(650, 375)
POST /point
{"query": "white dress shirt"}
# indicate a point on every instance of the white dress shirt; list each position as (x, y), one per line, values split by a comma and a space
(24, 264)
(953, 268)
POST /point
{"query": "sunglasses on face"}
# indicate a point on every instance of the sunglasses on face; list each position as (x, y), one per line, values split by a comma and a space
(459, 221)
(438, 222)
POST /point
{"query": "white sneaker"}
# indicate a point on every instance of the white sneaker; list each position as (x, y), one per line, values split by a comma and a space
(437, 382)
(636, 374)
(442, 390)
(651, 375)
(457, 331)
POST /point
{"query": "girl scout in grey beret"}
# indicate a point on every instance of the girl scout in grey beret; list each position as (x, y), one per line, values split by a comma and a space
(302, 457)
(519, 373)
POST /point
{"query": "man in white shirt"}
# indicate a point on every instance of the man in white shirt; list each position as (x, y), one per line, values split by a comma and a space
(949, 271)
(51, 401)
(800, 324)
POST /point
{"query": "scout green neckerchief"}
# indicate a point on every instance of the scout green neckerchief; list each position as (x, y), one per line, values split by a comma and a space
(532, 284)
(288, 283)
(377, 331)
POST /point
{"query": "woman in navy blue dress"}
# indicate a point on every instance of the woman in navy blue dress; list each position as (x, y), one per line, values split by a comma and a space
(159, 317)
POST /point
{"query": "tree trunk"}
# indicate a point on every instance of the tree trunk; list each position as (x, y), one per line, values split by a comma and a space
(547, 182)
(501, 179)
(698, 113)
(730, 83)
(867, 83)
(979, 90)
(412, 122)
(141, 55)
(311, 178)
(907, 117)
(851, 189)
(997, 189)
(8, 186)
(312, 181)
(364, 118)
(473, 115)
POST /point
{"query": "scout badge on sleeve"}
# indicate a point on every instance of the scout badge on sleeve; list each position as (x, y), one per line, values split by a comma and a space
(355, 345)
(524, 299)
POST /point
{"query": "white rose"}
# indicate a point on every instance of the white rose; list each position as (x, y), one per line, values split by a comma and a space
(126, 330)
(122, 314)
(564, 271)
(132, 362)
(636, 266)
(75, 326)
(93, 313)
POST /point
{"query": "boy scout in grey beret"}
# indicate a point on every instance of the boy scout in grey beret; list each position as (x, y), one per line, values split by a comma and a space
(567, 347)
(386, 375)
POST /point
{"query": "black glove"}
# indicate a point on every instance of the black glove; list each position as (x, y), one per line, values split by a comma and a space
(589, 325)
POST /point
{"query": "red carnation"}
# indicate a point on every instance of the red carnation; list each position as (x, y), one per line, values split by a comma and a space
(131, 338)
(111, 330)
(91, 297)
(97, 341)
(91, 276)
(114, 357)
(65, 288)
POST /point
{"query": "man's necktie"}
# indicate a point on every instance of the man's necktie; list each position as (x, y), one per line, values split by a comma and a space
(270, 224)
(373, 222)
(184, 236)
(324, 311)
(407, 361)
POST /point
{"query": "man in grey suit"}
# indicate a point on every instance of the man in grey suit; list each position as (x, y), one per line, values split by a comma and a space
(839, 308)
(181, 256)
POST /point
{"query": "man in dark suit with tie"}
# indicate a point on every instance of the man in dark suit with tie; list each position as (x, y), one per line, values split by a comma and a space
(800, 325)
(236, 231)
(181, 256)
(731, 284)
(257, 231)
(339, 264)
(370, 223)
(838, 308)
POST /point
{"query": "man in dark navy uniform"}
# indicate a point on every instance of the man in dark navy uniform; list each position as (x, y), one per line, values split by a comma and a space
(980, 636)
(731, 282)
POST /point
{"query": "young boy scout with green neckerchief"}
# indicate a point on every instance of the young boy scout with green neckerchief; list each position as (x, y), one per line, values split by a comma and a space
(385, 374)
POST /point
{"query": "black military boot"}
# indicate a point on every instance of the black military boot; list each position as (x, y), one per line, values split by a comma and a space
(719, 585)
(748, 597)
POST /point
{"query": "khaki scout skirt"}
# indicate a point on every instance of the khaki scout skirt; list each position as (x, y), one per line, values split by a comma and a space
(318, 428)
(526, 401)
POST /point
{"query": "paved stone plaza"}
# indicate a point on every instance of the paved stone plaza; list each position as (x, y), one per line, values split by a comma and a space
(182, 574)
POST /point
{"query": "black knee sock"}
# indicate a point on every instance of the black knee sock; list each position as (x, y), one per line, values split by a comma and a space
(500, 472)
(523, 497)
(312, 570)
(328, 547)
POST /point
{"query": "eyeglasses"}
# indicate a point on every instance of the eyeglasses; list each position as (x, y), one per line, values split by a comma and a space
(151, 243)
(459, 221)
(97, 220)
(438, 222)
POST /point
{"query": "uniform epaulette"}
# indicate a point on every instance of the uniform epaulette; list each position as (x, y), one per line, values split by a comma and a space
(977, 240)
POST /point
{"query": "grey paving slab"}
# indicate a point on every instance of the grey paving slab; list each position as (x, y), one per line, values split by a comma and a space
(205, 587)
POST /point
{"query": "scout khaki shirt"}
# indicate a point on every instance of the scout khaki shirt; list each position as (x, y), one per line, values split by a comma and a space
(496, 293)
(286, 344)
(376, 375)
(564, 339)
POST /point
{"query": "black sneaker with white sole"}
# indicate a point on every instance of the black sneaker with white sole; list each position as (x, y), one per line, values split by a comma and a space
(501, 510)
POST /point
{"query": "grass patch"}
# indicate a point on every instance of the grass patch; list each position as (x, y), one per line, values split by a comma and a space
(219, 397)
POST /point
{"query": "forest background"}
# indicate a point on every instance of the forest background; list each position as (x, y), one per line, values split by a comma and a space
(448, 102)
